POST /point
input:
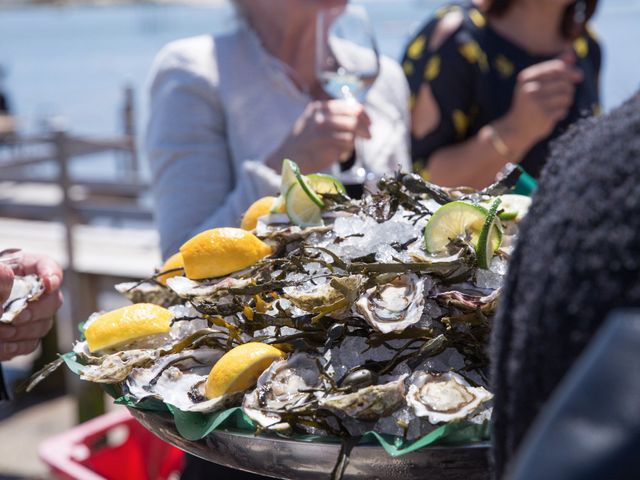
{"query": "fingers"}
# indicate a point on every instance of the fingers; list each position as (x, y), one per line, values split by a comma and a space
(45, 267)
(556, 69)
(558, 87)
(8, 350)
(44, 308)
(343, 116)
(568, 56)
(29, 331)
(23, 335)
(6, 282)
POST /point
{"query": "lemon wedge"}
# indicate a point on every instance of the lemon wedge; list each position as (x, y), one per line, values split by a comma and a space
(174, 266)
(127, 324)
(221, 251)
(239, 368)
(257, 209)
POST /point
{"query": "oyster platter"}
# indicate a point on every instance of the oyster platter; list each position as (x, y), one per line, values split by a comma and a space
(322, 319)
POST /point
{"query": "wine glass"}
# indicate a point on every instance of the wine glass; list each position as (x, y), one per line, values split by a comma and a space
(347, 64)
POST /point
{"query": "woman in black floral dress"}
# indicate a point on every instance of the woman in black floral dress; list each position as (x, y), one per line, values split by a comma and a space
(493, 81)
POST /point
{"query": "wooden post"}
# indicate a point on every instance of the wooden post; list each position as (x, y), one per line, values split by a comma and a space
(129, 130)
(82, 298)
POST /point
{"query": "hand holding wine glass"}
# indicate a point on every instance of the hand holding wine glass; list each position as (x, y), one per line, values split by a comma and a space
(324, 132)
(347, 65)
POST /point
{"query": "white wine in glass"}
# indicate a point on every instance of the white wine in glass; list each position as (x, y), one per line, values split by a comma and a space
(347, 65)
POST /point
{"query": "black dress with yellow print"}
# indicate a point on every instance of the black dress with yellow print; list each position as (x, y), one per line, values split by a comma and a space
(472, 76)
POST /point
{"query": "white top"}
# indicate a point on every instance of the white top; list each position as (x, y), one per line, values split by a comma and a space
(219, 106)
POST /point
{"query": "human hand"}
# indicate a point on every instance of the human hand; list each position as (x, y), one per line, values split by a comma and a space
(542, 97)
(23, 335)
(323, 134)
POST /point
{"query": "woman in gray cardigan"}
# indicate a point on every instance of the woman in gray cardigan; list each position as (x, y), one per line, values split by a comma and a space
(225, 111)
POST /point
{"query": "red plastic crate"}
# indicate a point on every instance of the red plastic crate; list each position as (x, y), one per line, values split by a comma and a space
(112, 447)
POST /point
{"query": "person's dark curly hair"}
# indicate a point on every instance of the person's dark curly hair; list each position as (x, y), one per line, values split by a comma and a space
(578, 257)
(569, 28)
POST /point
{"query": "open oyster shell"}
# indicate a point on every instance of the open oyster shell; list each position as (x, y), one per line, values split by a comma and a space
(116, 367)
(283, 387)
(444, 397)
(393, 306)
(334, 297)
(25, 289)
(369, 403)
(148, 292)
(206, 290)
(178, 379)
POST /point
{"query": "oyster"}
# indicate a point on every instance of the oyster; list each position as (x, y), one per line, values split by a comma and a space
(369, 403)
(205, 291)
(469, 303)
(333, 297)
(148, 292)
(286, 386)
(444, 397)
(114, 368)
(393, 306)
(178, 379)
(25, 289)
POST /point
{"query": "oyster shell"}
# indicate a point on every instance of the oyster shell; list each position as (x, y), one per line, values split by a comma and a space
(114, 368)
(469, 303)
(283, 387)
(148, 292)
(444, 397)
(25, 289)
(369, 403)
(205, 291)
(334, 297)
(178, 380)
(393, 306)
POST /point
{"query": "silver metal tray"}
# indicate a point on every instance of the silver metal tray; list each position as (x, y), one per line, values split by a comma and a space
(295, 460)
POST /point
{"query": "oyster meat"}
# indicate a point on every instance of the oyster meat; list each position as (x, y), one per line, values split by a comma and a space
(114, 368)
(334, 297)
(178, 379)
(286, 386)
(393, 306)
(444, 397)
(25, 289)
(148, 292)
(369, 403)
(204, 291)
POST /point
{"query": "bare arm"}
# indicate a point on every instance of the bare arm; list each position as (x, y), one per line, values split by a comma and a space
(542, 97)
(475, 162)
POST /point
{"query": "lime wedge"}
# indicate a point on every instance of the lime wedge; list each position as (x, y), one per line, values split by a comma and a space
(301, 210)
(515, 206)
(507, 216)
(308, 189)
(288, 176)
(458, 220)
(322, 183)
(278, 205)
(485, 246)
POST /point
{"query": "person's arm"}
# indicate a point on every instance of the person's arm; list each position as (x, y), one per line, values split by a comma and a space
(194, 182)
(443, 78)
(542, 97)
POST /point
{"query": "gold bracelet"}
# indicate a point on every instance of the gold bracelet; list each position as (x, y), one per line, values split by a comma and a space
(497, 142)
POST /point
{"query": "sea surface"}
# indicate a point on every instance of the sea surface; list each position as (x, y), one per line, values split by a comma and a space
(73, 62)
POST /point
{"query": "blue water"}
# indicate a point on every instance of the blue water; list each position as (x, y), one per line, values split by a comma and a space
(73, 61)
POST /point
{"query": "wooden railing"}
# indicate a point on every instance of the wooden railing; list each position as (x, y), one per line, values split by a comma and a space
(81, 223)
